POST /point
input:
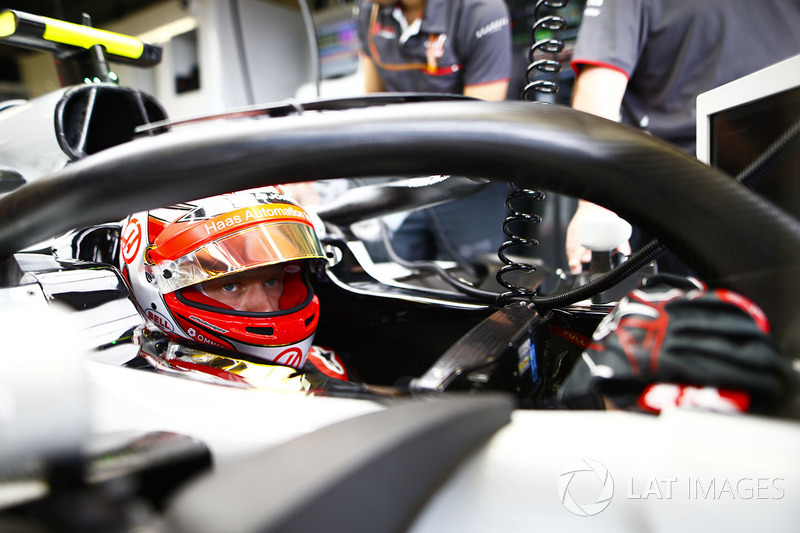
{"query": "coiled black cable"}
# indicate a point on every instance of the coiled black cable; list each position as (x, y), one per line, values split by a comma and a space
(543, 53)
(516, 240)
(543, 58)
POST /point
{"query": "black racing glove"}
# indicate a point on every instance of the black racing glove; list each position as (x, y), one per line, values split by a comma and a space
(674, 330)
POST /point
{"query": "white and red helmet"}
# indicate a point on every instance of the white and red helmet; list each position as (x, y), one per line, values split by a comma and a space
(167, 253)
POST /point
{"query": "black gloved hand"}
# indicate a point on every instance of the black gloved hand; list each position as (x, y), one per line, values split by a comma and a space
(675, 330)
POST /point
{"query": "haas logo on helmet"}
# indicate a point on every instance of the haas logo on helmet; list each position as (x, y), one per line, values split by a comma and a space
(290, 357)
(131, 240)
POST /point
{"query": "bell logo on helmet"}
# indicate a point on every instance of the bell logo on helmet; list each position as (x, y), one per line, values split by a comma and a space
(159, 320)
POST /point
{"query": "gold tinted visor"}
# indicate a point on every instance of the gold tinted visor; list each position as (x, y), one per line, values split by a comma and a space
(253, 247)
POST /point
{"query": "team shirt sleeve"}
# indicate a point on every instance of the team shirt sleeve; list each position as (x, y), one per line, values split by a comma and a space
(612, 34)
(485, 43)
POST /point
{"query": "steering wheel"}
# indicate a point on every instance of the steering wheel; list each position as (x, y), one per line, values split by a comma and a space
(726, 233)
